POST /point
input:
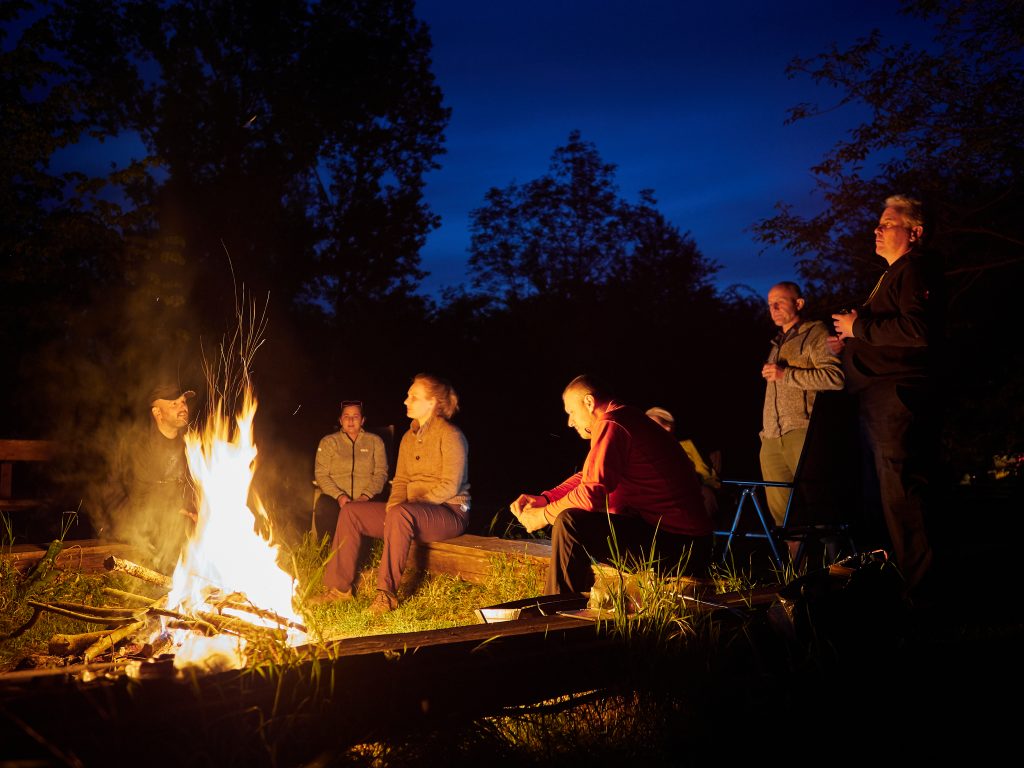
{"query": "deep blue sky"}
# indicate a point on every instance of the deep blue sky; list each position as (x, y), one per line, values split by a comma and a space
(685, 98)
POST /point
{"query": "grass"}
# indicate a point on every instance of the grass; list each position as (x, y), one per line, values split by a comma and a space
(437, 601)
(686, 687)
(46, 583)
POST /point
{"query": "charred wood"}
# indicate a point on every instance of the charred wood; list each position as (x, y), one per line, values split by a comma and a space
(281, 621)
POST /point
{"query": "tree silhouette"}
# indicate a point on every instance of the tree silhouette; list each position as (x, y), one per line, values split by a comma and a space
(559, 237)
(946, 123)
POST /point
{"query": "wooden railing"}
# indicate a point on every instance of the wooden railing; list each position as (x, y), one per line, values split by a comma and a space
(12, 453)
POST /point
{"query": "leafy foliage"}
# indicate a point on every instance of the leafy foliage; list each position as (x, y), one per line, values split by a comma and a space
(278, 146)
(946, 124)
(567, 234)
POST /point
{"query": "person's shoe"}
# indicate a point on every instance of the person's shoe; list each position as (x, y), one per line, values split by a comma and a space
(384, 602)
(330, 595)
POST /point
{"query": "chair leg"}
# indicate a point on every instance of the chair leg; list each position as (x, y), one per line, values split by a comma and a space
(735, 524)
(769, 531)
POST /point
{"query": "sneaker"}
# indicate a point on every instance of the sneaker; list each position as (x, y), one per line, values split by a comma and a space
(384, 602)
(330, 595)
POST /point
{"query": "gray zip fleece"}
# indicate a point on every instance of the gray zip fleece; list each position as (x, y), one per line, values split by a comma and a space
(351, 467)
(810, 367)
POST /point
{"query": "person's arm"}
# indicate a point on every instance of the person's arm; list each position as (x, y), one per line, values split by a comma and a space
(560, 490)
(602, 470)
(825, 370)
(704, 471)
(378, 467)
(400, 482)
(326, 453)
(907, 326)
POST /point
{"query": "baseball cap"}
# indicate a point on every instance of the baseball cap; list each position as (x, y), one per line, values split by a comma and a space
(167, 391)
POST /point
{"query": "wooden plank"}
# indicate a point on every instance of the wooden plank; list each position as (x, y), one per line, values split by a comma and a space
(13, 505)
(470, 556)
(86, 555)
(27, 450)
(313, 709)
(410, 641)
(20, 450)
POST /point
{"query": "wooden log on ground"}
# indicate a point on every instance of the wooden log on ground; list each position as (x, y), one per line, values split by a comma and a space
(365, 689)
(470, 557)
(73, 645)
(109, 641)
(140, 572)
(86, 555)
(130, 597)
(89, 617)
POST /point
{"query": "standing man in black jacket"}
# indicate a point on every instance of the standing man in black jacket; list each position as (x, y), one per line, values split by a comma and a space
(888, 348)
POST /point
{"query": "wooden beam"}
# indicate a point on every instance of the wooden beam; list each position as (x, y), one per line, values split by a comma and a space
(27, 450)
(470, 557)
(86, 554)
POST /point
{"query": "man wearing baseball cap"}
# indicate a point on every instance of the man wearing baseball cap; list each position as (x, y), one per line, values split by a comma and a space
(157, 507)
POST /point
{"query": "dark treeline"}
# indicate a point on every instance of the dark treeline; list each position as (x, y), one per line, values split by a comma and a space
(281, 151)
(283, 154)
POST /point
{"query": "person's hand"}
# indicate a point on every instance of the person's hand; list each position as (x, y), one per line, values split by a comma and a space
(343, 499)
(525, 501)
(773, 372)
(843, 324)
(529, 511)
(363, 497)
(533, 519)
(834, 345)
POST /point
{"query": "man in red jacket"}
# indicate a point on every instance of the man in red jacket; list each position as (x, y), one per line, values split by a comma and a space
(636, 481)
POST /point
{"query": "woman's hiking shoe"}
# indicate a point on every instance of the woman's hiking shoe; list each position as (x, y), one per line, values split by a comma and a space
(330, 595)
(384, 602)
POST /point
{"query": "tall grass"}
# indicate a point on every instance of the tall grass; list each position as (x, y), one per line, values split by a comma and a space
(657, 704)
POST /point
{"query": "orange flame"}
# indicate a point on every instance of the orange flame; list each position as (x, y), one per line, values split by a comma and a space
(225, 555)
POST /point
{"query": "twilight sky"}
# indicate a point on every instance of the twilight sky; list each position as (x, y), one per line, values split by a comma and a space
(685, 98)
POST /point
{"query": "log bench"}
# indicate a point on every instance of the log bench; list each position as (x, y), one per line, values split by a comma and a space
(470, 557)
(13, 452)
(86, 555)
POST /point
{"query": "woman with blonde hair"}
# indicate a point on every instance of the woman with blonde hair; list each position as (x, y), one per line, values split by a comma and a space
(429, 499)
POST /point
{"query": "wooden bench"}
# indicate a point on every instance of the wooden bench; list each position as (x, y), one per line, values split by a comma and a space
(470, 557)
(16, 451)
(86, 555)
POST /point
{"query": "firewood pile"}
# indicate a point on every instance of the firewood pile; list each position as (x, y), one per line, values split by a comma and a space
(139, 628)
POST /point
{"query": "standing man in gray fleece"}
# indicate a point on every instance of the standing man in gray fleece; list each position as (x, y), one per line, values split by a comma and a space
(799, 365)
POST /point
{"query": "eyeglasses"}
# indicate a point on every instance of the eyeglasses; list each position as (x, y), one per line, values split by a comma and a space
(357, 403)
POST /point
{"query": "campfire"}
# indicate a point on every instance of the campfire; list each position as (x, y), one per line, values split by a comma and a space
(227, 593)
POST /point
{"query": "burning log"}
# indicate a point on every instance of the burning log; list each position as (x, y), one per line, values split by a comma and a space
(108, 641)
(246, 607)
(140, 572)
(236, 626)
(186, 622)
